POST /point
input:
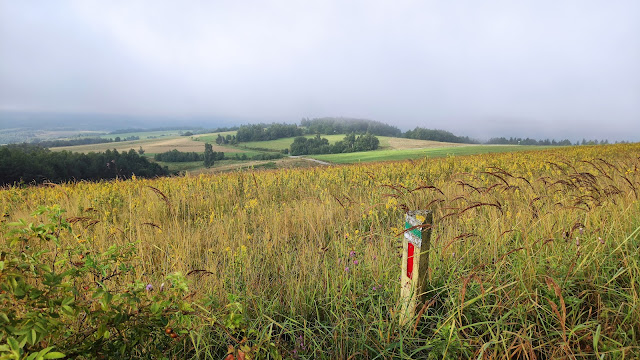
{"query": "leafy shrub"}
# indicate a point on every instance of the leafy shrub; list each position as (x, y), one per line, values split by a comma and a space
(78, 302)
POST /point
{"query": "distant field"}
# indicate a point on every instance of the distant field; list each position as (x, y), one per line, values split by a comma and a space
(385, 143)
(146, 134)
(153, 146)
(384, 155)
(284, 143)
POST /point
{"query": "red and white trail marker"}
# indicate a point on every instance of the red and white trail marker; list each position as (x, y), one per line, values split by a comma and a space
(415, 261)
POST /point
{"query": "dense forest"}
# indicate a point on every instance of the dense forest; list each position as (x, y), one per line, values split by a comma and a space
(437, 135)
(340, 125)
(264, 132)
(26, 163)
(179, 156)
(319, 145)
(324, 126)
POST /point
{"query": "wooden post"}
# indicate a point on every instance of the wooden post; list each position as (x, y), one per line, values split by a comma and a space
(415, 261)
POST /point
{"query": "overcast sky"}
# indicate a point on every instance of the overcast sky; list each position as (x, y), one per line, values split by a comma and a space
(479, 68)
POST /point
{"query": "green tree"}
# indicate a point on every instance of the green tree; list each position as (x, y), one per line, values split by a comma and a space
(209, 156)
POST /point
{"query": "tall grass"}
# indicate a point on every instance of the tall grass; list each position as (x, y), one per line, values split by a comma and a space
(534, 254)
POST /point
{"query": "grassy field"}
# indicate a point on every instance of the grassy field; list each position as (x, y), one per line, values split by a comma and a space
(144, 135)
(391, 148)
(534, 255)
(284, 143)
(385, 155)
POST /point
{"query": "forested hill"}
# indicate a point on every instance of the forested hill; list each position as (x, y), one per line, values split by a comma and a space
(437, 135)
(340, 125)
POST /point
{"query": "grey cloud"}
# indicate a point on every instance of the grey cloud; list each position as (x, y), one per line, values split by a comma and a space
(493, 68)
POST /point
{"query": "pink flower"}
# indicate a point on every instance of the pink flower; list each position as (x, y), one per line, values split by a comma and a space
(355, 262)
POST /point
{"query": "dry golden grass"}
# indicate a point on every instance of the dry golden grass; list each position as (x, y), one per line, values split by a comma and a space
(535, 254)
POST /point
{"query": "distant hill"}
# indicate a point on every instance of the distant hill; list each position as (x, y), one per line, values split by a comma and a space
(342, 125)
(18, 126)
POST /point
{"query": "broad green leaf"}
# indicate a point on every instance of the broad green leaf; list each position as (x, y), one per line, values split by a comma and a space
(54, 355)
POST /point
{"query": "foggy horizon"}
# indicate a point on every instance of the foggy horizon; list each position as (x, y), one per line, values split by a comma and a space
(538, 69)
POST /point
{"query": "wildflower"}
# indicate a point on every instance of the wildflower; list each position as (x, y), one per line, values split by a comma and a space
(352, 253)
(356, 232)
(149, 287)
(346, 269)
(355, 262)
(374, 288)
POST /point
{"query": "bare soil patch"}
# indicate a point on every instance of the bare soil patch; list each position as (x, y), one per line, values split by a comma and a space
(400, 143)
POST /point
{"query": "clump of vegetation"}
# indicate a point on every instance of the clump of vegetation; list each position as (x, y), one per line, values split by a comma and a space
(224, 140)
(341, 125)
(263, 132)
(318, 145)
(60, 298)
(178, 156)
(437, 135)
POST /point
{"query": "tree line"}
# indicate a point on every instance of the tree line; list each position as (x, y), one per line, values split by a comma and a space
(547, 142)
(319, 145)
(82, 141)
(264, 132)
(28, 163)
(528, 141)
(324, 126)
(437, 135)
(341, 125)
(179, 156)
